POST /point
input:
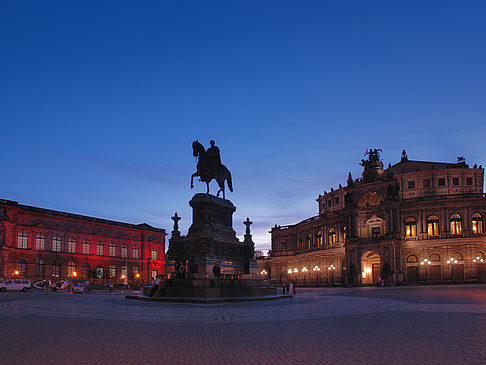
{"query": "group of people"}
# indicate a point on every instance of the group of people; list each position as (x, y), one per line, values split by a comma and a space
(158, 286)
(288, 288)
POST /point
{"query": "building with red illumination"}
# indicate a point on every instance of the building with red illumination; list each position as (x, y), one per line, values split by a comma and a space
(413, 222)
(37, 244)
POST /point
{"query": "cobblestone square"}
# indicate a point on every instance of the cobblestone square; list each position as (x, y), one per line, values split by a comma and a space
(394, 325)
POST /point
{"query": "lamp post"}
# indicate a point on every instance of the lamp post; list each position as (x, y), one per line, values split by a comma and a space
(304, 274)
(316, 269)
(425, 262)
(478, 260)
(452, 261)
(331, 269)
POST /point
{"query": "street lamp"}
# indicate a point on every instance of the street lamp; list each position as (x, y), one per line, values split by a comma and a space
(316, 269)
(263, 272)
(479, 261)
(304, 271)
(425, 262)
(75, 274)
(452, 261)
(331, 269)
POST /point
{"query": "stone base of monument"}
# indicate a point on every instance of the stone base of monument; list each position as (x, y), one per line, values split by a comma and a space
(211, 241)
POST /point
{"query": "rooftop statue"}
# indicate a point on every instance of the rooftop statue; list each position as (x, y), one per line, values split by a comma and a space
(209, 167)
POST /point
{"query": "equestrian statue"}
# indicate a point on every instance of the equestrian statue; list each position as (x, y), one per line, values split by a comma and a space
(209, 167)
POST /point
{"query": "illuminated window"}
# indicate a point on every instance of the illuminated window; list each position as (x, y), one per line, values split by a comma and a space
(154, 254)
(344, 233)
(86, 247)
(412, 259)
(124, 251)
(22, 240)
(40, 242)
(22, 267)
(136, 254)
(39, 268)
(309, 240)
(456, 224)
(111, 271)
(71, 269)
(85, 270)
(319, 238)
(331, 236)
(477, 223)
(433, 225)
(72, 246)
(56, 270)
(112, 250)
(56, 244)
(410, 227)
(301, 244)
(124, 271)
(99, 249)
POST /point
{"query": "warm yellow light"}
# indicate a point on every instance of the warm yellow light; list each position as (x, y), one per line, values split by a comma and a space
(123, 276)
(137, 276)
(75, 273)
(290, 271)
(295, 270)
(16, 272)
(363, 274)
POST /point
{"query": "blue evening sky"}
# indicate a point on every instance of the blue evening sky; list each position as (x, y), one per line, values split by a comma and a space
(100, 101)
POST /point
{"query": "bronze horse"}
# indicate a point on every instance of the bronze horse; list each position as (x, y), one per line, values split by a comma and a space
(205, 171)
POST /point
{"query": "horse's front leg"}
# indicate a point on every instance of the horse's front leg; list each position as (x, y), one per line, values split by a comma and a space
(192, 179)
(207, 184)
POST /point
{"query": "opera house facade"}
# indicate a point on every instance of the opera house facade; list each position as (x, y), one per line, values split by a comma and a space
(413, 222)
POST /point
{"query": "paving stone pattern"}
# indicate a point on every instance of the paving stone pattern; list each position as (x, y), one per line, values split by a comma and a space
(416, 325)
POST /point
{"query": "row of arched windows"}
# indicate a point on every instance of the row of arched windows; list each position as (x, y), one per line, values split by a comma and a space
(435, 258)
(319, 242)
(71, 270)
(455, 225)
(40, 245)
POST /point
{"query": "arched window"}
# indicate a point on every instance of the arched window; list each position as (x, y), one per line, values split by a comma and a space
(72, 246)
(22, 267)
(477, 223)
(331, 236)
(433, 225)
(412, 259)
(71, 269)
(456, 224)
(135, 272)
(112, 250)
(410, 227)
(309, 239)
(434, 258)
(39, 268)
(112, 271)
(301, 244)
(56, 244)
(40, 242)
(86, 248)
(479, 258)
(56, 270)
(124, 251)
(458, 256)
(85, 270)
(319, 238)
(22, 240)
(99, 249)
(344, 233)
(136, 254)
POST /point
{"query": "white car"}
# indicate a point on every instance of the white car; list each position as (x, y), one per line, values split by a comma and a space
(15, 284)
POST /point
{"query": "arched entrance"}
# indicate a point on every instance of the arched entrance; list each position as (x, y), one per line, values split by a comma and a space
(370, 267)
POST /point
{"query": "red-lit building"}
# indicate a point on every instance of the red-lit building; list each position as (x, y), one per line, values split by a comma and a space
(37, 244)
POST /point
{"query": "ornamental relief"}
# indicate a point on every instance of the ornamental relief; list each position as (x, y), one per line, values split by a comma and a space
(370, 199)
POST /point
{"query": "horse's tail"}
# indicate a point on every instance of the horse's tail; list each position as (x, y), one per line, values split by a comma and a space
(230, 183)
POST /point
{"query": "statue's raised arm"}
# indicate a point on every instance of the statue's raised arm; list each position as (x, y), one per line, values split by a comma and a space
(209, 167)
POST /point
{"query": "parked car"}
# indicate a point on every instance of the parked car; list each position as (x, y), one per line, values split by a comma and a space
(15, 284)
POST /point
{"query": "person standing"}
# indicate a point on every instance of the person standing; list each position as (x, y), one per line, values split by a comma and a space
(46, 287)
(110, 286)
(216, 273)
(291, 289)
